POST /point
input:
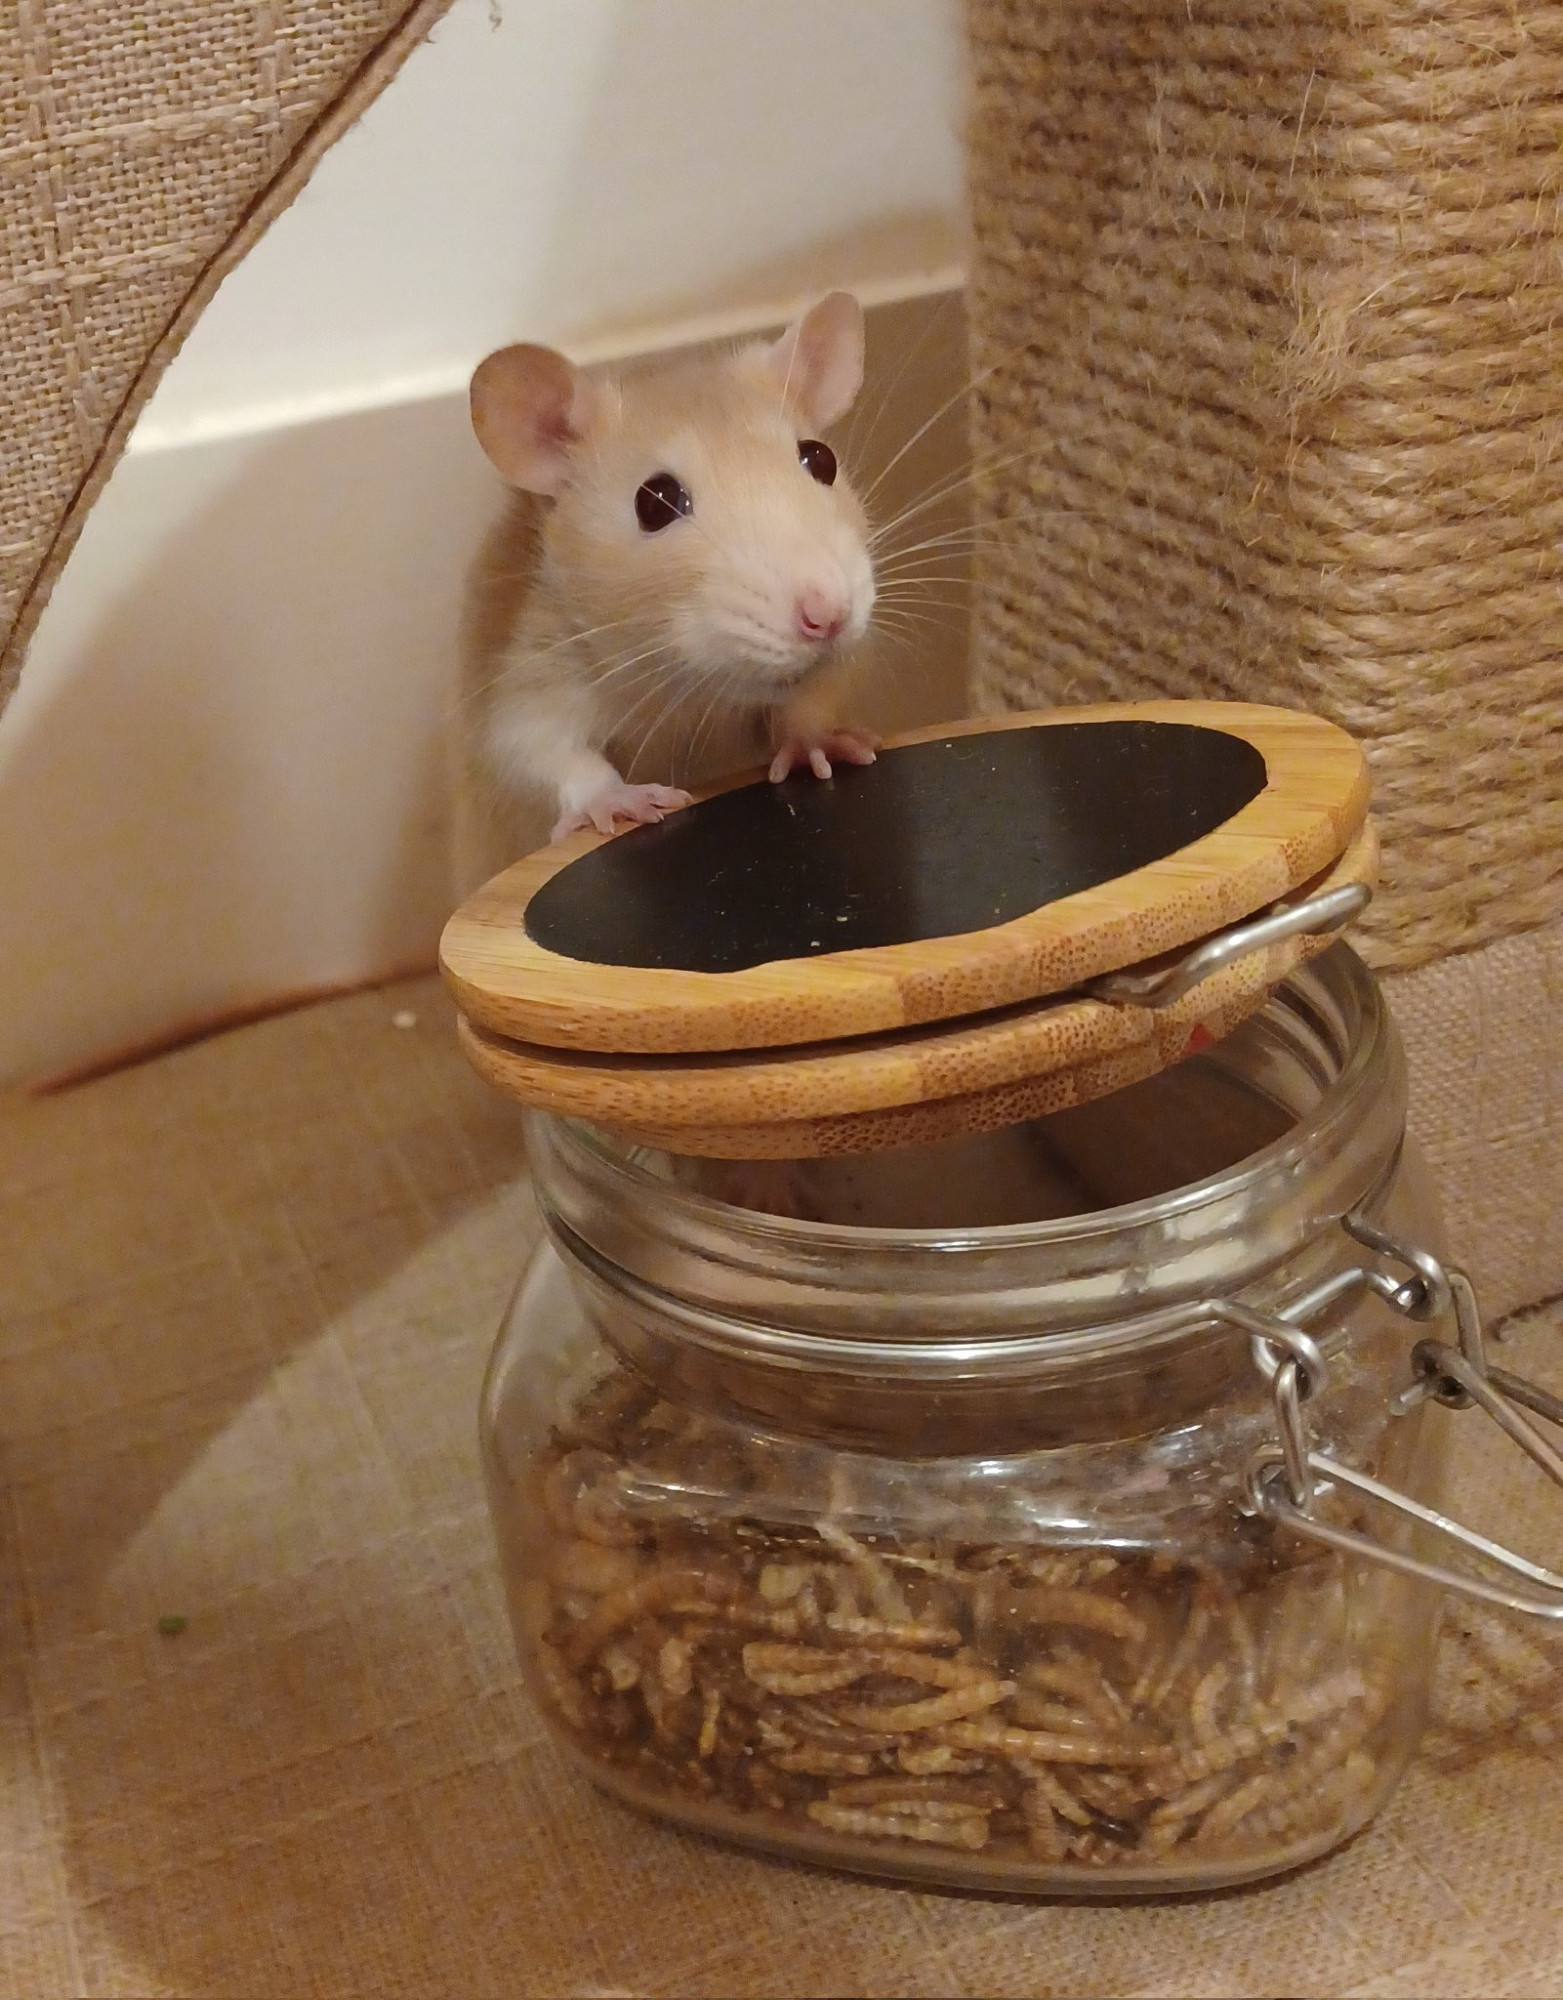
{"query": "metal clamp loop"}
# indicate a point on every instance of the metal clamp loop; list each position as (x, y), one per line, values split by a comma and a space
(1274, 1344)
(1294, 1436)
(1426, 1294)
(1328, 910)
(1285, 1480)
(1293, 1363)
(1442, 1383)
(1445, 1365)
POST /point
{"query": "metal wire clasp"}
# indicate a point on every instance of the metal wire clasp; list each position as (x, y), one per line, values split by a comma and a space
(1287, 1480)
(1328, 910)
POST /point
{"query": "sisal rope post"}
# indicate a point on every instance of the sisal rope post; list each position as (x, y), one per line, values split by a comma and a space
(1268, 339)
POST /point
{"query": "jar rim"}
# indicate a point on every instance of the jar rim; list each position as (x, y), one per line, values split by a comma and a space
(1327, 1031)
(1337, 1102)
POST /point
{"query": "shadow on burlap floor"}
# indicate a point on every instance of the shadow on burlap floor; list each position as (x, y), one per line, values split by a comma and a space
(248, 1294)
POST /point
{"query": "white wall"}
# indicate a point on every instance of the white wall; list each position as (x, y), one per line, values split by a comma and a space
(222, 779)
(592, 173)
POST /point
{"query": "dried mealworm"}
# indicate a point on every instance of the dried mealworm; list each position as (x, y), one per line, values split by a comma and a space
(1188, 1644)
(1083, 1608)
(1079, 1678)
(579, 1495)
(785, 1624)
(594, 1568)
(1043, 1747)
(877, 1576)
(621, 1667)
(1353, 1781)
(780, 1583)
(1059, 1571)
(1111, 1794)
(1244, 1652)
(676, 1667)
(931, 1672)
(1266, 1728)
(1045, 1786)
(927, 1565)
(1043, 1832)
(1188, 1804)
(1032, 1712)
(936, 1809)
(818, 1762)
(802, 1669)
(655, 1592)
(810, 1719)
(971, 1833)
(1205, 1700)
(893, 1631)
(561, 1686)
(1051, 1705)
(618, 1396)
(661, 1706)
(1334, 1747)
(1153, 1659)
(1228, 1813)
(930, 1714)
(895, 1794)
(925, 1759)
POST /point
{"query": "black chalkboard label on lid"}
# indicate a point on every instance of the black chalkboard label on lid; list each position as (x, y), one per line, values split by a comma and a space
(933, 840)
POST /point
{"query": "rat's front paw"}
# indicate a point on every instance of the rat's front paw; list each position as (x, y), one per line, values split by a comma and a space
(634, 805)
(815, 750)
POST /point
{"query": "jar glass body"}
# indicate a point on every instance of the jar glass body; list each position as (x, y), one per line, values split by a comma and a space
(908, 1531)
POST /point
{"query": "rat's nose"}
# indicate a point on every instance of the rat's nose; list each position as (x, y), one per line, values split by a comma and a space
(821, 614)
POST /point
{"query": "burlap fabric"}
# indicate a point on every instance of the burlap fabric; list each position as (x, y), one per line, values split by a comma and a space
(1268, 330)
(1485, 1048)
(144, 147)
(248, 1294)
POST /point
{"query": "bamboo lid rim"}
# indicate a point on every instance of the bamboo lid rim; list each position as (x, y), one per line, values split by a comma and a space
(1312, 802)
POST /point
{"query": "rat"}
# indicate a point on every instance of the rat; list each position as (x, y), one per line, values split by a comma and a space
(682, 579)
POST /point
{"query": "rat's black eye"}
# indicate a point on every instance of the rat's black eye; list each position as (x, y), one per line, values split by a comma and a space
(817, 460)
(660, 500)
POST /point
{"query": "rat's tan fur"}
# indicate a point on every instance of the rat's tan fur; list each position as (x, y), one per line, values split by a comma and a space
(595, 653)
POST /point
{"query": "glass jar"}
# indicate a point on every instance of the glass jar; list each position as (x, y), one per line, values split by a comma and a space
(905, 1512)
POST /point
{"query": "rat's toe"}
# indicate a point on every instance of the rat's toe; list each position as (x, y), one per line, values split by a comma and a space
(623, 805)
(814, 753)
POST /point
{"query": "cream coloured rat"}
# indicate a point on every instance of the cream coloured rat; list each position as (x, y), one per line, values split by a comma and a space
(681, 583)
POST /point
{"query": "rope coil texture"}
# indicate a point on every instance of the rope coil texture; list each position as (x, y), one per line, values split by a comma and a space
(144, 147)
(1267, 312)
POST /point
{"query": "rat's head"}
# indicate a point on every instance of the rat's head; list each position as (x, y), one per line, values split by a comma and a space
(696, 502)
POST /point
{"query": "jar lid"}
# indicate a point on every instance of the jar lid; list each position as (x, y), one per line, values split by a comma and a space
(953, 937)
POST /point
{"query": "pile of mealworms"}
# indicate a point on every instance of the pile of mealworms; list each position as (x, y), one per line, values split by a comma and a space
(1040, 1705)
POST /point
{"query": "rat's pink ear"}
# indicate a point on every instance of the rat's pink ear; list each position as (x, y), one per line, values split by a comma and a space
(819, 360)
(530, 409)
